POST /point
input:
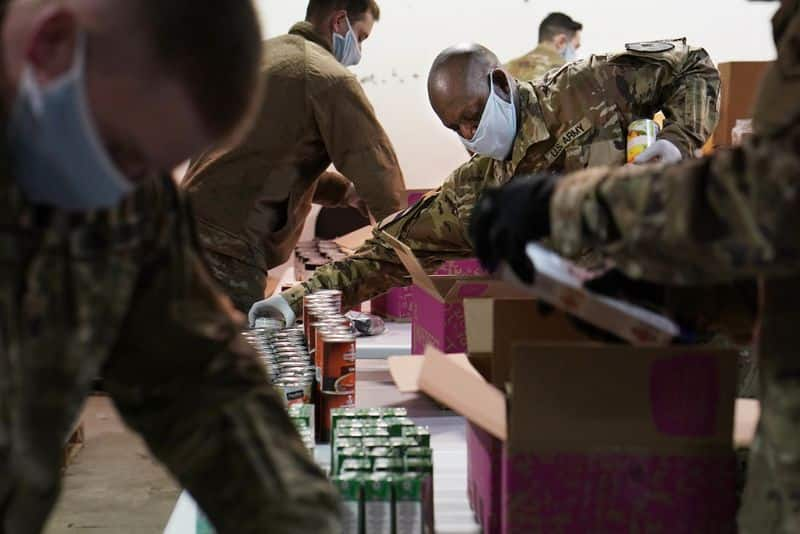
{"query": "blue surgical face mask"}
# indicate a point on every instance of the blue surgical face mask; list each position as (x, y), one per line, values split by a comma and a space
(498, 127)
(345, 47)
(58, 157)
(570, 53)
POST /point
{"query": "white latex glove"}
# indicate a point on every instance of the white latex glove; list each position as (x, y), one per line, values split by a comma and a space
(274, 307)
(662, 151)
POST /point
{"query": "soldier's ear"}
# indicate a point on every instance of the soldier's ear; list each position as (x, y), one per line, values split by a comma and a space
(560, 41)
(502, 83)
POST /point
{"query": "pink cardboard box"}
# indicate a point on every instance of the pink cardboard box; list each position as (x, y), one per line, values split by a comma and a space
(398, 303)
(644, 446)
(438, 302)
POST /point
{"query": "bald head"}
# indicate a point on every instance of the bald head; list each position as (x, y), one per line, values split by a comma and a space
(458, 85)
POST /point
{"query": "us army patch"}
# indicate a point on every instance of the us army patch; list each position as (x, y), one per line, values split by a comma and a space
(569, 137)
(650, 47)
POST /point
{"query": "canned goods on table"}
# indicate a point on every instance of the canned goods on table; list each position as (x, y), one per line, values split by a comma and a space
(339, 364)
(332, 401)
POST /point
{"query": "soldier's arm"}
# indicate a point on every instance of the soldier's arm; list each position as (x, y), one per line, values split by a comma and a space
(331, 190)
(683, 83)
(359, 147)
(733, 215)
(183, 378)
(435, 229)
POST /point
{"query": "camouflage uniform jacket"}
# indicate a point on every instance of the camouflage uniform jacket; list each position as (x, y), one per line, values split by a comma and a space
(574, 118)
(734, 215)
(535, 63)
(123, 293)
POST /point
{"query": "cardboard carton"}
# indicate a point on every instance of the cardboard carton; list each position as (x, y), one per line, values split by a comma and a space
(646, 442)
(438, 311)
(740, 83)
(560, 283)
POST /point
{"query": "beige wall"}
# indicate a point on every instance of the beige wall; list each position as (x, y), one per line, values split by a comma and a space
(412, 32)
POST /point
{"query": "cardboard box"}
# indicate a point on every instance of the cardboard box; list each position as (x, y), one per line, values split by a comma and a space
(741, 81)
(647, 442)
(438, 310)
(560, 283)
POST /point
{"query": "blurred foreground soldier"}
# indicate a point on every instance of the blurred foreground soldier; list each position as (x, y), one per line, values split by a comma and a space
(559, 41)
(731, 216)
(100, 272)
(252, 201)
(571, 120)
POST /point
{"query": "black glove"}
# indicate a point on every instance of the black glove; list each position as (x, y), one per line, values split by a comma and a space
(506, 219)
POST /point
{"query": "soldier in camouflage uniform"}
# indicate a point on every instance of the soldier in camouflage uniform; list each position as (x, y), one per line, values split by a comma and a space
(731, 216)
(559, 40)
(120, 288)
(574, 118)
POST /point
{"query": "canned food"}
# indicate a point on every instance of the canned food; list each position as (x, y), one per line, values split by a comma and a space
(333, 295)
(333, 401)
(339, 363)
(295, 391)
(641, 135)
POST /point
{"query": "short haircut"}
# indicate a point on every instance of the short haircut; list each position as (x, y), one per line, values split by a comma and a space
(356, 9)
(555, 24)
(214, 49)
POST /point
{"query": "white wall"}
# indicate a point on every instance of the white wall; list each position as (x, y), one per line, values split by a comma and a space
(412, 32)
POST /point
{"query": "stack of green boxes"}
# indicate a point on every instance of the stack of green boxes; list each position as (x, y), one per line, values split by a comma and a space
(303, 418)
(382, 464)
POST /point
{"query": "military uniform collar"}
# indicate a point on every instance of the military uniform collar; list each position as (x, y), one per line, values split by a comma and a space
(548, 50)
(306, 31)
(532, 127)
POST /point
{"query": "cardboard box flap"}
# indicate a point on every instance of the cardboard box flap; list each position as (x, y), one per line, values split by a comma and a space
(560, 283)
(405, 370)
(465, 392)
(413, 266)
(355, 240)
(748, 412)
(669, 400)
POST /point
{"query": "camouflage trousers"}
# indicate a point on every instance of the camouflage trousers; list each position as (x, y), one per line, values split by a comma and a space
(243, 283)
(771, 502)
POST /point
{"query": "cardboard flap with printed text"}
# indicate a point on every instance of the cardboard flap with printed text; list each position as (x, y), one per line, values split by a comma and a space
(450, 288)
(566, 398)
(464, 391)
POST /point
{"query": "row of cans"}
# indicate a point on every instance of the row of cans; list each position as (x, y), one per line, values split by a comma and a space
(386, 503)
(332, 346)
(285, 355)
(311, 255)
(302, 415)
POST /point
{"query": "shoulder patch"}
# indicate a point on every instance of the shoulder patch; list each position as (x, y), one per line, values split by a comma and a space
(650, 47)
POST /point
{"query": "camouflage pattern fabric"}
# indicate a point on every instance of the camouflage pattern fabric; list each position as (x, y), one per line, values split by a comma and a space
(244, 284)
(123, 293)
(733, 215)
(574, 118)
(535, 63)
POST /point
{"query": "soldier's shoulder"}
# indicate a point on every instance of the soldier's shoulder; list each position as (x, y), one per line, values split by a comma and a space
(666, 50)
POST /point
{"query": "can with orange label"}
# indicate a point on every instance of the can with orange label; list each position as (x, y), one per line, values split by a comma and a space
(339, 363)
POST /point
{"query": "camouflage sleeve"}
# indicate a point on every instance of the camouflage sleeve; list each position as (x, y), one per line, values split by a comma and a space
(683, 83)
(436, 229)
(183, 378)
(730, 216)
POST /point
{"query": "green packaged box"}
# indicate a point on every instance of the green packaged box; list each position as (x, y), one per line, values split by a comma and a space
(372, 443)
(338, 414)
(375, 432)
(409, 504)
(304, 412)
(351, 487)
(388, 465)
(356, 466)
(348, 453)
(420, 433)
(383, 452)
(378, 504)
(419, 465)
(343, 443)
(403, 444)
(419, 452)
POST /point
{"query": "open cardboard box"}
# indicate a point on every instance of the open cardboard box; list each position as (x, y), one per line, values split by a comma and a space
(647, 442)
(438, 310)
